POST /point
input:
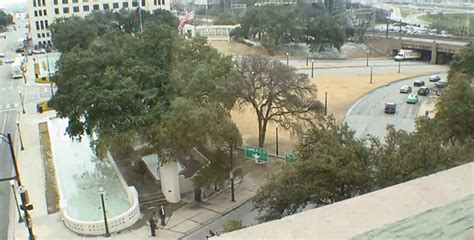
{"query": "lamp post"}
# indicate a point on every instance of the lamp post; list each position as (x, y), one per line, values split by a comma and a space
(276, 138)
(399, 65)
(287, 60)
(326, 103)
(49, 75)
(367, 62)
(307, 57)
(22, 99)
(312, 68)
(25, 205)
(371, 71)
(102, 191)
(232, 193)
(19, 134)
(20, 219)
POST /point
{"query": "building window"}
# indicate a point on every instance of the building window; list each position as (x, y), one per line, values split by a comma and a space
(40, 13)
(47, 34)
(143, 3)
(44, 3)
(65, 2)
(34, 3)
(125, 4)
(55, 2)
(85, 1)
(46, 24)
(65, 10)
(106, 6)
(56, 11)
(43, 35)
(115, 5)
(162, 2)
(134, 3)
(75, 1)
(44, 13)
(39, 3)
(96, 7)
(85, 8)
(42, 25)
(37, 25)
(75, 9)
(36, 14)
(39, 35)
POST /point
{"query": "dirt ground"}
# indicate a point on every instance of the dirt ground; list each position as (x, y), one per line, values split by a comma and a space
(237, 49)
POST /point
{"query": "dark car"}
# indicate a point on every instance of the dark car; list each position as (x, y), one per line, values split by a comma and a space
(441, 84)
(423, 91)
(19, 50)
(390, 108)
(419, 83)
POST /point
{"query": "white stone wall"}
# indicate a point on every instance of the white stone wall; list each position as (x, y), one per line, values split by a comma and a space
(170, 182)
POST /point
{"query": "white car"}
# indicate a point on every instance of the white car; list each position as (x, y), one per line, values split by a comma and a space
(39, 51)
(2, 55)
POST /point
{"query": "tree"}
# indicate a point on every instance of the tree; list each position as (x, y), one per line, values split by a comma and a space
(5, 19)
(463, 62)
(233, 225)
(72, 32)
(323, 33)
(331, 166)
(276, 93)
(225, 18)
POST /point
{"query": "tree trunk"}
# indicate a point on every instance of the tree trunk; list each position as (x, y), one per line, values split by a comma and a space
(261, 133)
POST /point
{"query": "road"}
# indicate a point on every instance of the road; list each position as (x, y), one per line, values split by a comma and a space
(10, 108)
(367, 115)
(243, 213)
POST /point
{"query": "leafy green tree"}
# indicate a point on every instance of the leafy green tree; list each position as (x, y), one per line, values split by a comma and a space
(276, 93)
(331, 166)
(463, 62)
(225, 18)
(5, 19)
(455, 111)
(323, 33)
(72, 32)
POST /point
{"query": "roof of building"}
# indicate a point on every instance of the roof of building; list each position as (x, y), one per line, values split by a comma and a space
(376, 210)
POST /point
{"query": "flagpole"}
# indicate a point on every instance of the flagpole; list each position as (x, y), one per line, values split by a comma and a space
(140, 12)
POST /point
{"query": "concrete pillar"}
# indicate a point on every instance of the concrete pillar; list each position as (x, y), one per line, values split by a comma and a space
(434, 53)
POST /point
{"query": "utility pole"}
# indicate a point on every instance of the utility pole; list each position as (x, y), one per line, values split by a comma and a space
(326, 103)
(312, 68)
(232, 191)
(276, 138)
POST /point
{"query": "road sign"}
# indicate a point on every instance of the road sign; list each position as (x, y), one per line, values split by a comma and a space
(290, 158)
(255, 153)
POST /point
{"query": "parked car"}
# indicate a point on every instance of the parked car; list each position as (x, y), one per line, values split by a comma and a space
(19, 50)
(423, 91)
(441, 84)
(418, 83)
(412, 98)
(435, 78)
(2, 55)
(405, 89)
(39, 51)
(390, 108)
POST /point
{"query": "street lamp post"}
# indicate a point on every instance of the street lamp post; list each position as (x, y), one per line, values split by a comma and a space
(22, 99)
(19, 134)
(20, 219)
(25, 205)
(399, 65)
(367, 62)
(276, 138)
(307, 57)
(312, 68)
(101, 191)
(49, 75)
(287, 60)
(371, 73)
(326, 103)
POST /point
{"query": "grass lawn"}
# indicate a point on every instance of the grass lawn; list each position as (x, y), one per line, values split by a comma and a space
(453, 23)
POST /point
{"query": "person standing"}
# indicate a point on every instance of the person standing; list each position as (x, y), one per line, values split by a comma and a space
(162, 215)
(153, 220)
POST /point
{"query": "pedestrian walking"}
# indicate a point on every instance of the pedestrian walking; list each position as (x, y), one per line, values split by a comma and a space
(162, 215)
(153, 220)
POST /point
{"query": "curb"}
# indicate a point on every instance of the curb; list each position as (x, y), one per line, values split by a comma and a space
(377, 88)
(354, 66)
(214, 219)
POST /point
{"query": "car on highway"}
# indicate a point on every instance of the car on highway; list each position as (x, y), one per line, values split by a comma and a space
(405, 89)
(434, 78)
(412, 98)
(39, 51)
(423, 91)
(441, 84)
(419, 83)
(19, 50)
(390, 108)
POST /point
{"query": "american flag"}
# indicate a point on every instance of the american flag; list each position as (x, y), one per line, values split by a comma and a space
(187, 18)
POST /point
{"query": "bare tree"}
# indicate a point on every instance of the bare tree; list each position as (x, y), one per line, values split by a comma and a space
(277, 94)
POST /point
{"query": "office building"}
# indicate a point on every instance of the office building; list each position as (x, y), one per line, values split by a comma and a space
(42, 13)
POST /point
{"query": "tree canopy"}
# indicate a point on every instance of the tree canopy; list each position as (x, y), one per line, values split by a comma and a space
(5, 19)
(276, 93)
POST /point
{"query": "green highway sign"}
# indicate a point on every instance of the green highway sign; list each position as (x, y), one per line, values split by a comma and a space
(290, 158)
(255, 153)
